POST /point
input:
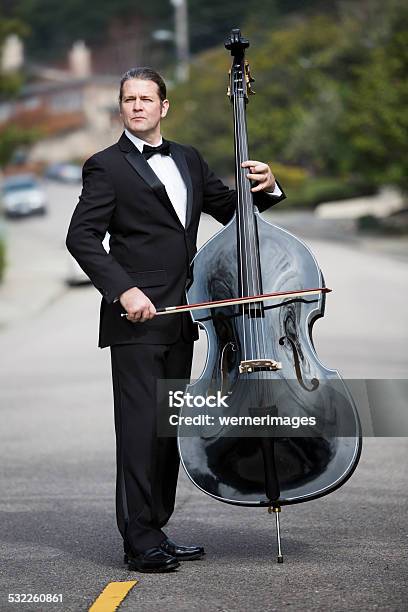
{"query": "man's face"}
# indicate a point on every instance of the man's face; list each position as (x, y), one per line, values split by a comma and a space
(141, 108)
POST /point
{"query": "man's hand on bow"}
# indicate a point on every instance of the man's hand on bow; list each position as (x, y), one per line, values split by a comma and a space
(260, 172)
(137, 305)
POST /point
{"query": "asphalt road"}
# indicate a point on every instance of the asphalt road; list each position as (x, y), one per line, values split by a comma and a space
(347, 551)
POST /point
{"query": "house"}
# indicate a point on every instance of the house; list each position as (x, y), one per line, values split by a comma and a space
(75, 106)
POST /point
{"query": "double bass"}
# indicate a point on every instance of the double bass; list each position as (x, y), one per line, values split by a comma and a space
(262, 358)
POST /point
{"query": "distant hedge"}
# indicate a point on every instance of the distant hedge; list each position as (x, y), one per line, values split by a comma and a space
(316, 190)
(2, 258)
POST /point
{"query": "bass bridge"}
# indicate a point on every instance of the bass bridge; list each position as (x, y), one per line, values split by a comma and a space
(259, 365)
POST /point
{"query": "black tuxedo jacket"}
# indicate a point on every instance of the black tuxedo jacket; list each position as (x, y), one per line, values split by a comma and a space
(149, 247)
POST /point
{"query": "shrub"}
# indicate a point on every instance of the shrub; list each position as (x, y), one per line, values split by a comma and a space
(2, 257)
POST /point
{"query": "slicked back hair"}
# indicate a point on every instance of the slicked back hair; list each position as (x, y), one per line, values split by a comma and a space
(146, 74)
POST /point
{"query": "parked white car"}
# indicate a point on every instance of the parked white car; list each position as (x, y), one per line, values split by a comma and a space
(22, 195)
(64, 172)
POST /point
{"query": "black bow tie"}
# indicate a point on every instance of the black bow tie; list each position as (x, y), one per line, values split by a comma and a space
(163, 149)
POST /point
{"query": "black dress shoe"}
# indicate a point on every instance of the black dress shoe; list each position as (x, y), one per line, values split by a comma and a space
(182, 553)
(152, 560)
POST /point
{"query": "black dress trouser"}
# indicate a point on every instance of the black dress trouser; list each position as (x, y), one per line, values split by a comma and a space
(147, 465)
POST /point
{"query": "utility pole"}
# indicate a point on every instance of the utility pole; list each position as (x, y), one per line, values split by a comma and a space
(181, 39)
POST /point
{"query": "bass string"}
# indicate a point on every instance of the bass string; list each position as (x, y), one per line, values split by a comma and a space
(241, 227)
(244, 236)
(256, 274)
(256, 323)
(255, 267)
(254, 393)
(263, 391)
(248, 234)
(250, 243)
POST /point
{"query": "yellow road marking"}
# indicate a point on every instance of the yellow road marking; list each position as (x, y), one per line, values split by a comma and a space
(112, 596)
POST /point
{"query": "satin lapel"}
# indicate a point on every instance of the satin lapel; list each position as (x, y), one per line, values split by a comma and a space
(181, 163)
(139, 163)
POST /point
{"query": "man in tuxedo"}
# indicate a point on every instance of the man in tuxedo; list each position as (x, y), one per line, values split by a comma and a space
(148, 194)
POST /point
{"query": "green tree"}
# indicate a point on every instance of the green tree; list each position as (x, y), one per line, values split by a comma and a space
(56, 25)
(10, 83)
(332, 96)
(377, 121)
(11, 136)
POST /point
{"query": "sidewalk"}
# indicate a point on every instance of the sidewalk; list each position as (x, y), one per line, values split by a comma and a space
(37, 262)
(33, 278)
(309, 226)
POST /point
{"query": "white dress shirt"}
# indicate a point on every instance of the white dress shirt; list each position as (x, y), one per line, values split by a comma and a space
(166, 169)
